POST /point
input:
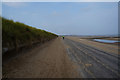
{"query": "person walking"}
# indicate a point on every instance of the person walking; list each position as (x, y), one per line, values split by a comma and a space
(63, 37)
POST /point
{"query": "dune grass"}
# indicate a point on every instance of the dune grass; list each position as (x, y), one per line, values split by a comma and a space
(16, 34)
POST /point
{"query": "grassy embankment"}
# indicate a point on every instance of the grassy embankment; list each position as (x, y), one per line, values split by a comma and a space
(16, 35)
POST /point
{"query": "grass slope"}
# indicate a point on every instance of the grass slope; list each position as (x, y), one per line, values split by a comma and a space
(16, 35)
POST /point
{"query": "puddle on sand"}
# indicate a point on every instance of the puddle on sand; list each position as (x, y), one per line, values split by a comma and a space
(106, 41)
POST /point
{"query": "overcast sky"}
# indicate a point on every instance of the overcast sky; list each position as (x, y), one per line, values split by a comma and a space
(75, 18)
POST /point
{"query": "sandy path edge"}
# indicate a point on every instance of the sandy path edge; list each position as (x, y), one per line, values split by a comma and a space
(104, 47)
(51, 61)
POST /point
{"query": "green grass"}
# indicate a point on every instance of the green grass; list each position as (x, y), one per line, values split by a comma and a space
(16, 34)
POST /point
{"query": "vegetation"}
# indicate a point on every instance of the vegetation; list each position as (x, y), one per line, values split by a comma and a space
(16, 35)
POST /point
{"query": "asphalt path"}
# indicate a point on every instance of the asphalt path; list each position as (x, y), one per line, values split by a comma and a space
(93, 62)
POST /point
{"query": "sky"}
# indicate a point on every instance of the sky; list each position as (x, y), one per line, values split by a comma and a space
(60, 0)
(66, 18)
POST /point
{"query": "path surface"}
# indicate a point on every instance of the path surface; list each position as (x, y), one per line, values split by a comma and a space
(93, 62)
(68, 58)
(47, 61)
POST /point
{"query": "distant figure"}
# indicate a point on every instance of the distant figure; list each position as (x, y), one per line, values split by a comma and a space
(63, 37)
